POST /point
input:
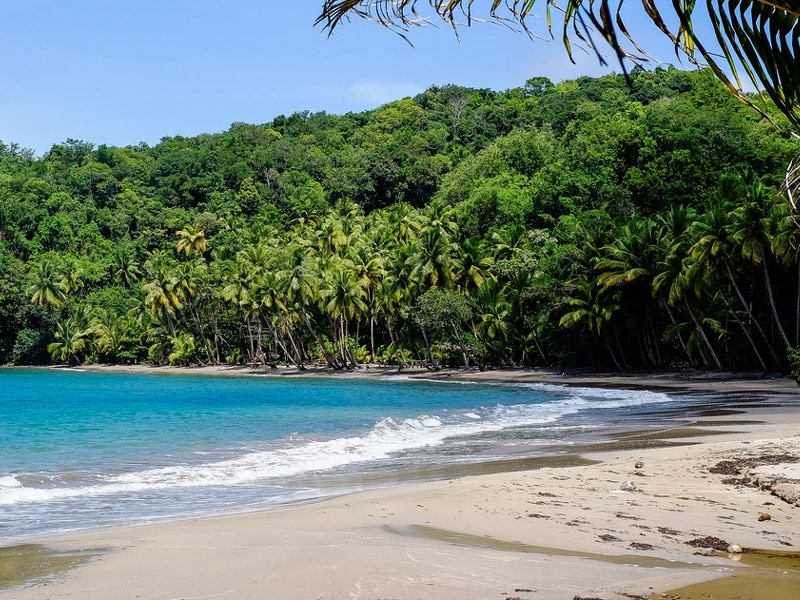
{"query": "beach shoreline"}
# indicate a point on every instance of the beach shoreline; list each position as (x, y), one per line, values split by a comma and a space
(688, 380)
(538, 533)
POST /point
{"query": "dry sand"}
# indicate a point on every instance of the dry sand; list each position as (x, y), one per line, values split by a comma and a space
(545, 533)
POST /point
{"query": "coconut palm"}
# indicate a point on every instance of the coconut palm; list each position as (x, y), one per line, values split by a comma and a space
(786, 247)
(73, 274)
(431, 263)
(126, 269)
(301, 286)
(714, 245)
(192, 241)
(47, 285)
(70, 341)
(161, 297)
(471, 267)
(342, 297)
(751, 230)
(593, 306)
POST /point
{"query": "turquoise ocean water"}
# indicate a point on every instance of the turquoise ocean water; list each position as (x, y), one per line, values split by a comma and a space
(82, 450)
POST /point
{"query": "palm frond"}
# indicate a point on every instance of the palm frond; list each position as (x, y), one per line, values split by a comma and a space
(760, 36)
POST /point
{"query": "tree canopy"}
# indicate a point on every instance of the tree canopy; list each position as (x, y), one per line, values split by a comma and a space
(625, 224)
(758, 37)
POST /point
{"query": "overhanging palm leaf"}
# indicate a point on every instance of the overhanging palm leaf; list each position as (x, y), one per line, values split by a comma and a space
(761, 35)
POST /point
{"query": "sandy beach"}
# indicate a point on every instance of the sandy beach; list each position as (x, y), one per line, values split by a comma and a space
(601, 530)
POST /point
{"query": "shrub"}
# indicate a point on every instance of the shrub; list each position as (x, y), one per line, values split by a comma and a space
(794, 362)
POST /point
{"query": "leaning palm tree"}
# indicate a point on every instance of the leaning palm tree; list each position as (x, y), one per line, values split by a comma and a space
(759, 35)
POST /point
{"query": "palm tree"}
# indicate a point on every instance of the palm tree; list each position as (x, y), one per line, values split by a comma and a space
(368, 268)
(191, 240)
(73, 274)
(302, 287)
(126, 269)
(185, 279)
(471, 266)
(593, 306)
(712, 232)
(70, 341)
(342, 297)
(508, 241)
(751, 230)
(402, 222)
(438, 217)
(47, 285)
(786, 247)
(161, 296)
(679, 277)
(431, 264)
(630, 262)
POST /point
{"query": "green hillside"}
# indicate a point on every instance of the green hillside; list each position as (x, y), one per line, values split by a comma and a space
(586, 223)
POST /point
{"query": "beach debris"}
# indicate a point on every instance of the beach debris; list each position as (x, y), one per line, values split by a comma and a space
(607, 537)
(745, 481)
(627, 486)
(638, 465)
(576, 522)
(641, 546)
(668, 531)
(620, 515)
(735, 549)
(734, 467)
(709, 542)
(764, 517)
(707, 552)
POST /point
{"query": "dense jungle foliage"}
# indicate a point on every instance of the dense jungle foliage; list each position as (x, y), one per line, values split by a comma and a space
(591, 222)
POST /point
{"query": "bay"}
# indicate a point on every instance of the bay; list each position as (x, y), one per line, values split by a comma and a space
(82, 450)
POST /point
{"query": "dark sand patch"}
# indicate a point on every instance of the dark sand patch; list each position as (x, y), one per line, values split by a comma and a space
(773, 575)
(34, 564)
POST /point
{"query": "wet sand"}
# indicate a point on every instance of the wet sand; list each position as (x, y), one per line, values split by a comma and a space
(590, 525)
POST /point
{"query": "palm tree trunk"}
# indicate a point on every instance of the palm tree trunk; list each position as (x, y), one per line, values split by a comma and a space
(250, 339)
(171, 326)
(538, 349)
(703, 334)
(750, 313)
(428, 347)
(297, 353)
(372, 338)
(680, 335)
(604, 337)
(776, 318)
(622, 357)
(323, 349)
(342, 349)
(196, 319)
(278, 341)
(746, 332)
(461, 346)
(797, 307)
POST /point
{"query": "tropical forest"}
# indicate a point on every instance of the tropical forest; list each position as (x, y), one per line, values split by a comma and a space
(628, 222)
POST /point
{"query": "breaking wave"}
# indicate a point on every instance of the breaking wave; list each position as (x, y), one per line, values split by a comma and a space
(294, 456)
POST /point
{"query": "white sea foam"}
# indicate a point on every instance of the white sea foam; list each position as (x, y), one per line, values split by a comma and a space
(387, 437)
(9, 481)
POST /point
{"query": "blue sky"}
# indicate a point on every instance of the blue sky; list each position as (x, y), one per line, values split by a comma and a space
(136, 70)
